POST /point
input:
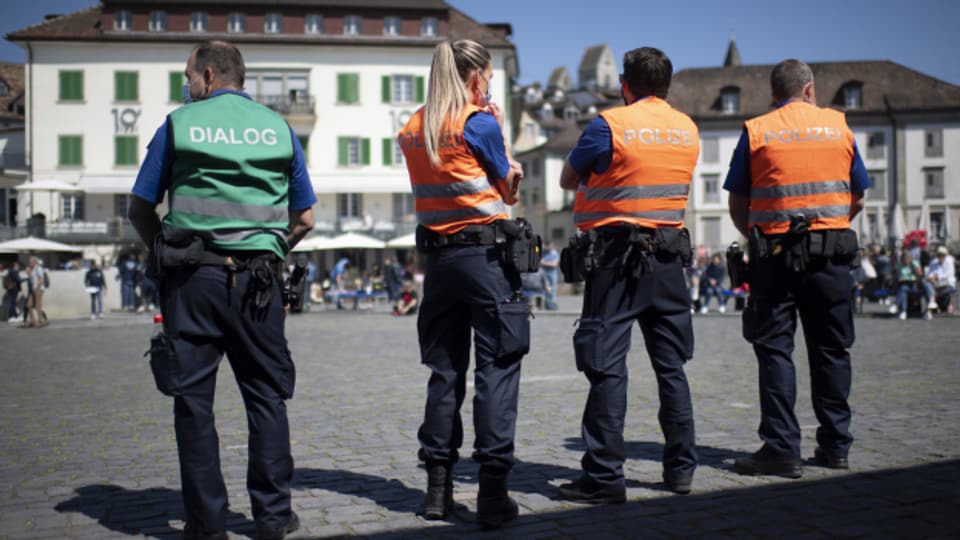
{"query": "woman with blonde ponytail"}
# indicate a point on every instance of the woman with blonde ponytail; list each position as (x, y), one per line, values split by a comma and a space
(462, 180)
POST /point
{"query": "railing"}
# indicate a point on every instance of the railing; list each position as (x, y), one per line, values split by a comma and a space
(284, 104)
(382, 229)
(116, 230)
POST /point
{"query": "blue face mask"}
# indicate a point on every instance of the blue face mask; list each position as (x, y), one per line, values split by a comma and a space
(185, 94)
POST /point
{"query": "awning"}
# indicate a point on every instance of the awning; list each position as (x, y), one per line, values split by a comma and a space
(405, 241)
(106, 184)
(32, 244)
(47, 185)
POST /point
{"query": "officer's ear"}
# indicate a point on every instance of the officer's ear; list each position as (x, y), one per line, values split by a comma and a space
(809, 93)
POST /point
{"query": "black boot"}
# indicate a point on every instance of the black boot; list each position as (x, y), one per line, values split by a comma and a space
(439, 500)
(494, 505)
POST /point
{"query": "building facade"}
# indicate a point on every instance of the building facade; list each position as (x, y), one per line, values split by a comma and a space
(346, 75)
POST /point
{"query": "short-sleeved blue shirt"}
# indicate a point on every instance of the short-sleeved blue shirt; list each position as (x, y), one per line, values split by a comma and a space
(594, 150)
(153, 180)
(485, 141)
(738, 177)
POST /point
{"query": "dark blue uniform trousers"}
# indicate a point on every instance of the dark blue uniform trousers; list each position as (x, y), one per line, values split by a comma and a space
(660, 303)
(205, 316)
(467, 287)
(822, 297)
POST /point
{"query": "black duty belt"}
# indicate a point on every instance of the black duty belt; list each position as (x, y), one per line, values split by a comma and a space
(472, 235)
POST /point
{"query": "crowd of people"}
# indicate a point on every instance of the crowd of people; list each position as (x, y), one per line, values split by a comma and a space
(912, 281)
(25, 306)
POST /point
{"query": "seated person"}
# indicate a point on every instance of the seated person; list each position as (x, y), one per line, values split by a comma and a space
(711, 284)
(941, 279)
(534, 285)
(407, 303)
(909, 280)
(694, 274)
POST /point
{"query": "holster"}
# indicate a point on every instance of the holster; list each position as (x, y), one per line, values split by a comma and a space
(521, 247)
(737, 267)
(164, 365)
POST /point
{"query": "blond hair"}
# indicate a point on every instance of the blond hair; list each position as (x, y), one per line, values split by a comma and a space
(447, 94)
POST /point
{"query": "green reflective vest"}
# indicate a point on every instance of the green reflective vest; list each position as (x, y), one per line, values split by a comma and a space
(230, 174)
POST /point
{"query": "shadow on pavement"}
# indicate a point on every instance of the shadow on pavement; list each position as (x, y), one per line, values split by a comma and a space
(139, 511)
(707, 456)
(391, 494)
(914, 502)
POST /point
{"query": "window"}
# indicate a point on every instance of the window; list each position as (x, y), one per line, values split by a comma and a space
(348, 88)
(710, 149)
(392, 154)
(121, 202)
(304, 141)
(71, 206)
(71, 151)
(350, 205)
(852, 96)
(546, 112)
(876, 145)
(402, 89)
(122, 20)
(273, 23)
(4, 88)
(933, 143)
(125, 150)
(351, 25)
(873, 226)
(933, 183)
(391, 26)
(198, 21)
(711, 233)
(878, 186)
(236, 23)
(353, 151)
(534, 197)
(711, 188)
(176, 86)
(571, 113)
(428, 26)
(314, 24)
(730, 100)
(535, 167)
(528, 129)
(126, 86)
(71, 86)
(938, 225)
(403, 206)
(157, 21)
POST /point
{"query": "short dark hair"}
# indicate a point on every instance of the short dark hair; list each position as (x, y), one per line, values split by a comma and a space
(223, 58)
(647, 72)
(788, 79)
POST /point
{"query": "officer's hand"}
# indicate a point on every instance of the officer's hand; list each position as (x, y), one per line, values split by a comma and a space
(517, 168)
(496, 111)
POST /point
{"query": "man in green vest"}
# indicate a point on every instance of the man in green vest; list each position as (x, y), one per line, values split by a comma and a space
(239, 198)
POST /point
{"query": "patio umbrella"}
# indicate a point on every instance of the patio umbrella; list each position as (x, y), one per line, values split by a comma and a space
(47, 185)
(405, 241)
(313, 243)
(352, 240)
(32, 244)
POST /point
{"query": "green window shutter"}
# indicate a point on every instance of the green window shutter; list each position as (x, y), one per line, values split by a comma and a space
(133, 85)
(71, 85)
(385, 88)
(354, 96)
(365, 151)
(125, 150)
(71, 150)
(348, 87)
(126, 86)
(343, 151)
(176, 83)
(420, 89)
(341, 87)
(388, 152)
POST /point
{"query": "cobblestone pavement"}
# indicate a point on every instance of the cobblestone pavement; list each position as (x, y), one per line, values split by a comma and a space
(87, 447)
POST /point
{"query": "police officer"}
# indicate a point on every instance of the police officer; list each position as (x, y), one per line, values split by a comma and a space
(239, 198)
(795, 180)
(462, 180)
(632, 168)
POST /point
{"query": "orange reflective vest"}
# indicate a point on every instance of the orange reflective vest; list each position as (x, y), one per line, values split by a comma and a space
(655, 149)
(456, 193)
(800, 157)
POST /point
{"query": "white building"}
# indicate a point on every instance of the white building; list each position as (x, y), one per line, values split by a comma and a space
(345, 74)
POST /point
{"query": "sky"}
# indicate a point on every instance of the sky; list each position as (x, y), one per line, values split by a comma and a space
(919, 34)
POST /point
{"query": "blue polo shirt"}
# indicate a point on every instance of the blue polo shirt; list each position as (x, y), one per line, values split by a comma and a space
(485, 140)
(153, 180)
(594, 150)
(738, 177)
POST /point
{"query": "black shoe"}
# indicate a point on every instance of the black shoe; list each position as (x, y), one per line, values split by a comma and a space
(762, 462)
(190, 532)
(439, 500)
(494, 505)
(828, 460)
(580, 491)
(268, 533)
(678, 484)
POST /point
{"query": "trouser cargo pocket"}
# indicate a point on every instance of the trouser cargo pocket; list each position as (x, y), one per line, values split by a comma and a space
(514, 329)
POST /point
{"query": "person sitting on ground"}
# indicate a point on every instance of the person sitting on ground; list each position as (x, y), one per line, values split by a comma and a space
(909, 281)
(711, 284)
(407, 304)
(941, 280)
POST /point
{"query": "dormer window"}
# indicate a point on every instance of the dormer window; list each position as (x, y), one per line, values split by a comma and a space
(730, 100)
(853, 96)
(122, 20)
(571, 113)
(198, 22)
(428, 27)
(546, 112)
(236, 23)
(391, 26)
(351, 25)
(157, 21)
(4, 88)
(273, 23)
(314, 24)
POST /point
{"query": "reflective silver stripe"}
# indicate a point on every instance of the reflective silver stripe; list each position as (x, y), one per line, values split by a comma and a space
(456, 189)
(653, 215)
(237, 235)
(796, 190)
(446, 216)
(224, 209)
(773, 216)
(636, 192)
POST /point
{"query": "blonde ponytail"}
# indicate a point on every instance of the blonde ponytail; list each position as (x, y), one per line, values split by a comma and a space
(447, 92)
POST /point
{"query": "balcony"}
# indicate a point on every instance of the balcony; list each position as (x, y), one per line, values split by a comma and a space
(117, 230)
(293, 104)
